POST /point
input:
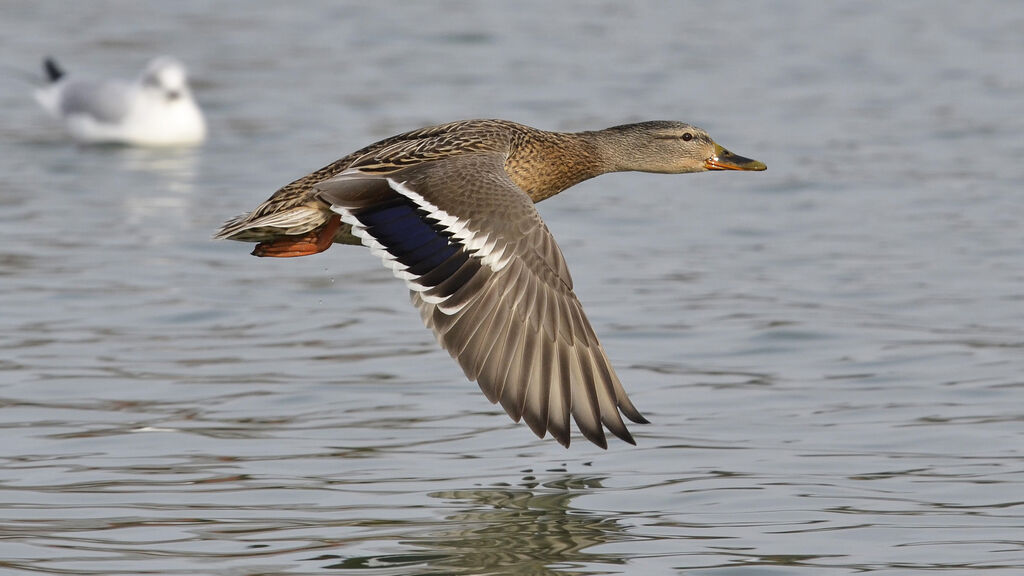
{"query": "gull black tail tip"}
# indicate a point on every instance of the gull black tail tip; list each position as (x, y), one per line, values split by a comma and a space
(53, 71)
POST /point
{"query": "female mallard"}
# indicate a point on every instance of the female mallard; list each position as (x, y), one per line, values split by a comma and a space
(450, 210)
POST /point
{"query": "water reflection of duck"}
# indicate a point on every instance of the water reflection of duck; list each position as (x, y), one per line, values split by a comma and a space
(533, 529)
(450, 210)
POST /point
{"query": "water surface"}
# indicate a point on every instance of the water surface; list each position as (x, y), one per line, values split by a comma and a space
(830, 352)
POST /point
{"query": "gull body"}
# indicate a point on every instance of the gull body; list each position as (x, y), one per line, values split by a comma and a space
(155, 109)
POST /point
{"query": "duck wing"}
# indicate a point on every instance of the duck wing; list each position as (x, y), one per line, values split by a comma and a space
(490, 281)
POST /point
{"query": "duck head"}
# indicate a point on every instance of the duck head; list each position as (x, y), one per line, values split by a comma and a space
(668, 147)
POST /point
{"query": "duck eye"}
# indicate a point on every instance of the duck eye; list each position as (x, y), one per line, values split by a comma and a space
(687, 137)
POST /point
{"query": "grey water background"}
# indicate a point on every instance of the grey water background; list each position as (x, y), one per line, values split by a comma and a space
(831, 352)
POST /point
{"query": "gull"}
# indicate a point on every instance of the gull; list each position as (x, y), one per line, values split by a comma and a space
(155, 109)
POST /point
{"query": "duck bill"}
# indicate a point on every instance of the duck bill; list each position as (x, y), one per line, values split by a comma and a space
(725, 160)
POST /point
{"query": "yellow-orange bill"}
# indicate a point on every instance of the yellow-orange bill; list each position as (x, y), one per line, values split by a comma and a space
(725, 160)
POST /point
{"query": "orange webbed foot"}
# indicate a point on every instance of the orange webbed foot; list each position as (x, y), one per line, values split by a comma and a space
(292, 246)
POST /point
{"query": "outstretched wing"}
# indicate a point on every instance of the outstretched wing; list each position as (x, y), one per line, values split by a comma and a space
(490, 281)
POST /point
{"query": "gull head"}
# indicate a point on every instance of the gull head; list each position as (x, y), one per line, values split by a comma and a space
(167, 76)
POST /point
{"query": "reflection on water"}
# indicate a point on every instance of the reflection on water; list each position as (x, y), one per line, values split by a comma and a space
(533, 528)
(829, 352)
(177, 166)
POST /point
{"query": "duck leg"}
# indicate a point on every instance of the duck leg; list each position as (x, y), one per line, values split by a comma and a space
(309, 243)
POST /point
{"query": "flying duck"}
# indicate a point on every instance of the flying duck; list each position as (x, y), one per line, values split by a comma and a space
(450, 210)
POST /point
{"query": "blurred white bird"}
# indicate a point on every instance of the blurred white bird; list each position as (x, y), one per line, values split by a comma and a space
(157, 109)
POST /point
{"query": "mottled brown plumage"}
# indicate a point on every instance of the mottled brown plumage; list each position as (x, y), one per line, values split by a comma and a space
(450, 209)
(541, 163)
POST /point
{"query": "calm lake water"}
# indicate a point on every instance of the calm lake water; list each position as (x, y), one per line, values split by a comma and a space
(831, 352)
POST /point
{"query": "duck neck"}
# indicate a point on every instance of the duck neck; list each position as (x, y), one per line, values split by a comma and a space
(543, 163)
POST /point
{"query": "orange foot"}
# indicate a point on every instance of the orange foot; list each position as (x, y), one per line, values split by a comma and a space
(309, 243)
